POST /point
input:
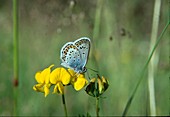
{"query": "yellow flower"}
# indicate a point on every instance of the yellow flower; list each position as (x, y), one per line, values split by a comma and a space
(60, 77)
(78, 80)
(43, 80)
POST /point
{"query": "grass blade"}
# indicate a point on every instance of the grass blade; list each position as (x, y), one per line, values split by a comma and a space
(143, 70)
(154, 60)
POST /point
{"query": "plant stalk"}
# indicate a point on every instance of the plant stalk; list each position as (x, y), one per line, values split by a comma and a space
(15, 55)
(97, 106)
(64, 104)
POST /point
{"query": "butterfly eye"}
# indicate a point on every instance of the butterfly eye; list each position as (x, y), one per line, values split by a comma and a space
(84, 69)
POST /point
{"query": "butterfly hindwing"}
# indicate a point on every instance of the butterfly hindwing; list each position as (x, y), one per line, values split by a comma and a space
(70, 56)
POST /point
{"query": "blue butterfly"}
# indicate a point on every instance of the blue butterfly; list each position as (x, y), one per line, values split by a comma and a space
(74, 55)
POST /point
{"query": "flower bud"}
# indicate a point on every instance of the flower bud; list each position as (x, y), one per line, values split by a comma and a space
(97, 86)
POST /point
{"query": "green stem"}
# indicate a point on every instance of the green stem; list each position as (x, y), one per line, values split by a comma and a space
(15, 38)
(143, 70)
(97, 106)
(64, 104)
(15, 54)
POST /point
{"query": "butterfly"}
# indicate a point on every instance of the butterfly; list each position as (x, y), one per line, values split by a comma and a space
(74, 55)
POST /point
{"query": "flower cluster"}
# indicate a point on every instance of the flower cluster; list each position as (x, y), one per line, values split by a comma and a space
(97, 86)
(59, 77)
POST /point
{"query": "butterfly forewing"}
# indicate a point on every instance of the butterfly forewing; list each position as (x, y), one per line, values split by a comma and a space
(83, 45)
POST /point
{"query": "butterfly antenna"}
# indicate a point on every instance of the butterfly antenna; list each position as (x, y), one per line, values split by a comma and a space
(88, 75)
(92, 70)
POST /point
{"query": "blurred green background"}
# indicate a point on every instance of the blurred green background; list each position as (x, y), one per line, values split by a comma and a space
(122, 49)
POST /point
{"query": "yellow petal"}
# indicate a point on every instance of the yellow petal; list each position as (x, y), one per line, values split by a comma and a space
(46, 74)
(43, 76)
(93, 80)
(46, 90)
(72, 73)
(100, 85)
(104, 80)
(55, 76)
(38, 77)
(55, 89)
(81, 76)
(65, 76)
(51, 66)
(105, 83)
(60, 75)
(80, 83)
(38, 87)
(59, 88)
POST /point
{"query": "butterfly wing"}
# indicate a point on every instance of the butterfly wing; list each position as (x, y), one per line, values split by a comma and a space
(83, 45)
(70, 56)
